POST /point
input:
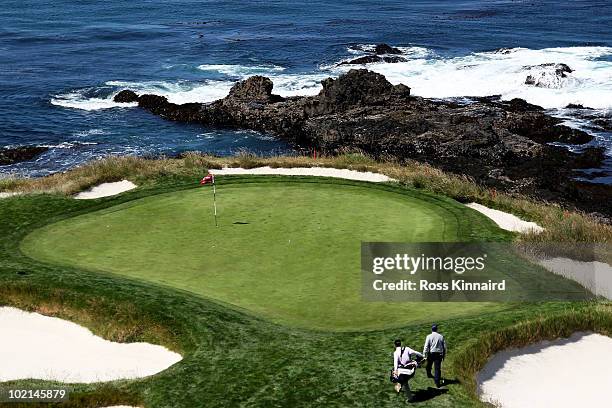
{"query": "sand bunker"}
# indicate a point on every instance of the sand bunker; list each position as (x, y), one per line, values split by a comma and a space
(48, 348)
(120, 406)
(307, 171)
(595, 276)
(7, 195)
(574, 372)
(106, 190)
(505, 220)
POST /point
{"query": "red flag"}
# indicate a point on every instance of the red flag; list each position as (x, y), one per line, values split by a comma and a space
(210, 178)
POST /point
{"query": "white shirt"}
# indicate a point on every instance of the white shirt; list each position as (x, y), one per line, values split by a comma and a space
(403, 358)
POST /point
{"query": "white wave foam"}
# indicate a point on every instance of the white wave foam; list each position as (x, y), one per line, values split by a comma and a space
(241, 70)
(179, 92)
(90, 132)
(428, 74)
(78, 100)
(295, 84)
(408, 52)
(210, 90)
(504, 73)
(68, 145)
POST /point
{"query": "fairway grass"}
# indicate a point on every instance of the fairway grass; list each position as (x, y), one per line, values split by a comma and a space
(285, 250)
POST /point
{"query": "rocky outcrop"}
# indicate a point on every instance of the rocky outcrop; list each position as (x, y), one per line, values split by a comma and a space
(126, 96)
(548, 75)
(378, 49)
(577, 106)
(256, 88)
(369, 59)
(381, 49)
(11, 155)
(380, 53)
(502, 144)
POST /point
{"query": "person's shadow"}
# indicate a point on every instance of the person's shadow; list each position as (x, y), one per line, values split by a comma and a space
(426, 395)
(430, 392)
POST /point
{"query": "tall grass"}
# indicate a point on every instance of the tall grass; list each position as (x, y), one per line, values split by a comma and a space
(473, 355)
(561, 225)
(116, 321)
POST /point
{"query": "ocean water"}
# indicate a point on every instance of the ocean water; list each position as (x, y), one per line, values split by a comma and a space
(61, 62)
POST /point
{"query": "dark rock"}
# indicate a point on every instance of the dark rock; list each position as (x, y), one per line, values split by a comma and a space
(590, 157)
(502, 144)
(545, 129)
(604, 124)
(520, 105)
(369, 59)
(577, 106)
(401, 90)
(356, 87)
(504, 51)
(126, 96)
(254, 88)
(380, 53)
(11, 155)
(382, 49)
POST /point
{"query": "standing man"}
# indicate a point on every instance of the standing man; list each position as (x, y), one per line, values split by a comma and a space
(435, 351)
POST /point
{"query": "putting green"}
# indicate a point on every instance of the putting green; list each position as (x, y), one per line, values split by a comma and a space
(285, 250)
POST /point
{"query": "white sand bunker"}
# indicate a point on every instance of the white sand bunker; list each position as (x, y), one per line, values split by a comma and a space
(120, 406)
(48, 348)
(307, 171)
(574, 372)
(5, 194)
(505, 220)
(595, 276)
(106, 190)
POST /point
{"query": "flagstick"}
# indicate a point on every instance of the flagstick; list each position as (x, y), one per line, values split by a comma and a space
(215, 201)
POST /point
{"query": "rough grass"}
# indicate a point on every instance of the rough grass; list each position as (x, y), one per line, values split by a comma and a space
(116, 321)
(561, 224)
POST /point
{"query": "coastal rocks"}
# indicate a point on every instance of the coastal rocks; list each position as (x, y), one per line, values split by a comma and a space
(504, 50)
(381, 49)
(356, 88)
(549, 75)
(502, 144)
(11, 155)
(577, 106)
(544, 129)
(378, 53)
(378, 49)
(126, 96)
(370, 59)
(256, 88)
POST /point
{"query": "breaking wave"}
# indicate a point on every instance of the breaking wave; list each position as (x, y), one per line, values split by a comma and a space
(502, 72)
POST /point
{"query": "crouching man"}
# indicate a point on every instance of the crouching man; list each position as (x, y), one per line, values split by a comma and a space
(404, 368)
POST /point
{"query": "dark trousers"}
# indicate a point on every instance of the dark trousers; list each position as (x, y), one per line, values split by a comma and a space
(403, 379)
(435, 359)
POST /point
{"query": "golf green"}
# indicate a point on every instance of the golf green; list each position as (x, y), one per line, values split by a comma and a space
(284, 250)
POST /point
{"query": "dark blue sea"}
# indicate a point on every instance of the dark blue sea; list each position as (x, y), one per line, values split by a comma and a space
(61, 62)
